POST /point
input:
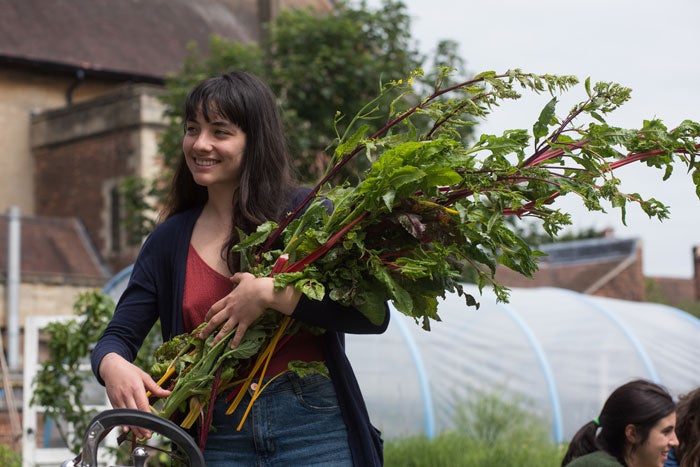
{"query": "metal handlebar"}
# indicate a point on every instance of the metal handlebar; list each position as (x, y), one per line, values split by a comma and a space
(103, 422)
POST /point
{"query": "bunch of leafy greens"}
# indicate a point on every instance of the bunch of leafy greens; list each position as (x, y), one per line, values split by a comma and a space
(431, 205)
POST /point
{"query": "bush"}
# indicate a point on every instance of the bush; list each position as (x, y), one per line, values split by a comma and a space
(9, 458)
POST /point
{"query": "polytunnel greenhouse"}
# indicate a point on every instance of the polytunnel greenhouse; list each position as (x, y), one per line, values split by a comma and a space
(558, 352)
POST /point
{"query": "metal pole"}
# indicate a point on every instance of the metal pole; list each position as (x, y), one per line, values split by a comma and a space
(14, 247)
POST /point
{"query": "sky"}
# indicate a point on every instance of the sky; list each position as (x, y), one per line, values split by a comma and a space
(648, 46)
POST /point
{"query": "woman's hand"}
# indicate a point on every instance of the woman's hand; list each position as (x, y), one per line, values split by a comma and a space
(248, 300)
(126, 386)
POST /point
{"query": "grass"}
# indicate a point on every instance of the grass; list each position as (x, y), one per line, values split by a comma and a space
(488, 432)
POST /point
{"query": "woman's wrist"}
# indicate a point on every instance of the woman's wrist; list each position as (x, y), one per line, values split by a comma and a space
(283, 300)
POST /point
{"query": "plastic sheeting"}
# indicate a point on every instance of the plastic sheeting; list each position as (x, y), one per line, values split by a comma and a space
(559, 352)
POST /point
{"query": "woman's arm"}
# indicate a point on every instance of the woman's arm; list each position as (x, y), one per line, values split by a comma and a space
(251, 296)
(333, 316)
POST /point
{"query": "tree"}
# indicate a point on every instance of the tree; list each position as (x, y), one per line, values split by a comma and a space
(321, 67)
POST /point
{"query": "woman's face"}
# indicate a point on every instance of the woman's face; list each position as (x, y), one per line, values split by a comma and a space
(214, 151)
(653, 451)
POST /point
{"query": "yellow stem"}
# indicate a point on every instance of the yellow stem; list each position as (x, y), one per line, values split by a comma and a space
(258, 389)
(263, 358)
(195, 409)
(168, 372)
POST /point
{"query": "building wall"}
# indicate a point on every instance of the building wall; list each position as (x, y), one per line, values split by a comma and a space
(81, 153)
(23, 93)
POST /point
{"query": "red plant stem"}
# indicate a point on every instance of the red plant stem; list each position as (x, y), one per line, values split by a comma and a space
(564, 124)
(552, 153)
(632, 158)
(204, 429)
(323, 249)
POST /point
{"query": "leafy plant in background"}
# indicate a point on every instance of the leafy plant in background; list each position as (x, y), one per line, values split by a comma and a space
(59, 386)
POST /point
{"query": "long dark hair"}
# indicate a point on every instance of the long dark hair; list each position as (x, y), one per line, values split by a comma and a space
(265, 180)
(640, 403)
(688, 429)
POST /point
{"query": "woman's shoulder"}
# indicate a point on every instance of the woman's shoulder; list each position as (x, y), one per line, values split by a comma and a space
(172, 228)
(177, 221)
(595, 459)
(298, 194)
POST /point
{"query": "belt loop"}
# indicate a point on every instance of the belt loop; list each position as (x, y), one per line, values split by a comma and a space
(295, 382)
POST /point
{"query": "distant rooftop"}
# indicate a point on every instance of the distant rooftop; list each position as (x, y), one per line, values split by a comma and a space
(55, 249)
(588, 250)
(143, 38)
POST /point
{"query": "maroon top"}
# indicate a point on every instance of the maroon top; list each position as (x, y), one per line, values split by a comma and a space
(204, 286)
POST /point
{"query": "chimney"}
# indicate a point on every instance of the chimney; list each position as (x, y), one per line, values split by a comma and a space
(696, 271)
(267, 11)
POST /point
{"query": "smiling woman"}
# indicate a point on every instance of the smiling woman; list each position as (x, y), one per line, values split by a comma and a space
(234, 175)
(636, 428)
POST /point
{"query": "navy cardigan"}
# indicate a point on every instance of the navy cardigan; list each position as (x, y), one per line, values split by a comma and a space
(155, 291)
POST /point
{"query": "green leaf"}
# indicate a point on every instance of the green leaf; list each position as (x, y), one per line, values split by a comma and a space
(541, 127)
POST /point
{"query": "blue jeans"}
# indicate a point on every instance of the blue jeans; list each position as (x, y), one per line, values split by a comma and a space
(294, 422)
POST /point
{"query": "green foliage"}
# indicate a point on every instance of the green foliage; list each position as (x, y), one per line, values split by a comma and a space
(59, 386)
(488, 431)
(431, 203)
(9, 458)
(137, 194)
(323, 65)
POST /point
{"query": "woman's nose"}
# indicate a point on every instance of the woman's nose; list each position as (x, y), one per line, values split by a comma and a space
(203, 142)
(674, 440)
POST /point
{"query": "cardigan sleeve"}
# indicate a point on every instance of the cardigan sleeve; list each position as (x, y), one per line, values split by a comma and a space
(151, 294)
(333, 316)
(134, 316)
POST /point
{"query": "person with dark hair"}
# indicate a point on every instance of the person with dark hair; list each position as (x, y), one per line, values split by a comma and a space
(687, 453)
(634, 429)
(234, 175)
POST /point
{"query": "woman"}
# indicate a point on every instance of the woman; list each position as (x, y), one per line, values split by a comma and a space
(687, 453)
(234, 174)
(634, 429)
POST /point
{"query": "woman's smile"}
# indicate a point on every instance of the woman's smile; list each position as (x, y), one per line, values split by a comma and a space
(200, 162)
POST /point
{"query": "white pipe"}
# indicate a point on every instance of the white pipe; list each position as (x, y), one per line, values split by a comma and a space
(14, 246)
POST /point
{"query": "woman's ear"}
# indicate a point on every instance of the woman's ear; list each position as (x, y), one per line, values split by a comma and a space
(631, 434)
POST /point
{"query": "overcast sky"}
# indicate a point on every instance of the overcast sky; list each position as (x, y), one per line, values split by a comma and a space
(648, 46)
